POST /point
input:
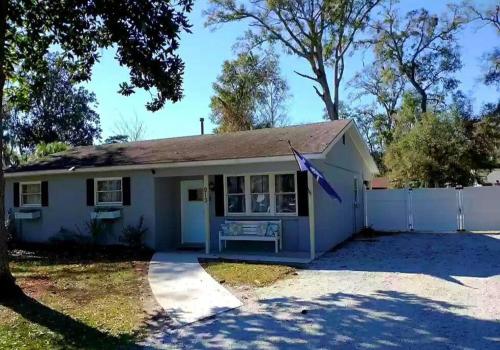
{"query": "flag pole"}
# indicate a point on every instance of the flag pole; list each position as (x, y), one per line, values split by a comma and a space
(296, 160)
(293, 153)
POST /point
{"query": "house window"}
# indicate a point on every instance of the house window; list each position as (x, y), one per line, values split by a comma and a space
(286, 196)
(235, 186)
(259, 192)
(31, 194)
(109, 191)
(262, 194)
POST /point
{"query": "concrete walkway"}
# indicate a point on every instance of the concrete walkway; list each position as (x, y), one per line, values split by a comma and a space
(183, 288)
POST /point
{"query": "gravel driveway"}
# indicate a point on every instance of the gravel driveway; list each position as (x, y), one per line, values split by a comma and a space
(410, 291)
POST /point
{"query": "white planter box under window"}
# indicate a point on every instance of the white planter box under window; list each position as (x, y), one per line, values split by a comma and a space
(105, 215)
(27, 215)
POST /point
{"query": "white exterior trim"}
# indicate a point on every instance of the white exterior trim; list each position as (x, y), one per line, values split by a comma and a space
(21, 204)
(165, 165)
(206, 198)
(272, 194)
(105, 204)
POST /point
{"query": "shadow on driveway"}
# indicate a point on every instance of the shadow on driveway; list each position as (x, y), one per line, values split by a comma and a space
(384, 320)
(371, 306)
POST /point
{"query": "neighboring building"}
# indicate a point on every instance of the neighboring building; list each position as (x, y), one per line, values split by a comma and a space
(494, 177)
(186, 187)
(380, 183)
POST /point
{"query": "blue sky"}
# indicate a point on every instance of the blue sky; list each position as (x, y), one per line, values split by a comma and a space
(204, 52)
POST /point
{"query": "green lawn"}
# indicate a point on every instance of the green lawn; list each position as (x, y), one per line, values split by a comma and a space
(74, 302)
(243, 274)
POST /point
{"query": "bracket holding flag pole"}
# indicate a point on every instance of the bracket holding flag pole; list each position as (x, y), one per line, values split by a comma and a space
(306, 165)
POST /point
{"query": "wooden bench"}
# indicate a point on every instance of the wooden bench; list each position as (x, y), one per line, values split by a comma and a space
(250, 232)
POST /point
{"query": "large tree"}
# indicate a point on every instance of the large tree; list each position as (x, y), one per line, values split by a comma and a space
(449, 147)
(47, 107)
(423, 47)
(145, 34)
(321, 32)
(491, 17)
(249, 94)
(433, 153)
(386, 87)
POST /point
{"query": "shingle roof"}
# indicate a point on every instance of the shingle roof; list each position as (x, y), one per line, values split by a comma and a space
(308, 138)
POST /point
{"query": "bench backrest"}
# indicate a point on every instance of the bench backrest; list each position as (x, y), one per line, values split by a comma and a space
(252, 227)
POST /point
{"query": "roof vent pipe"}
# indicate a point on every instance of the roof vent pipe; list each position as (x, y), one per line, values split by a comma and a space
(202, 126)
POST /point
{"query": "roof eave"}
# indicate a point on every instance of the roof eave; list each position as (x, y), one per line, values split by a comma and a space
(149, 166)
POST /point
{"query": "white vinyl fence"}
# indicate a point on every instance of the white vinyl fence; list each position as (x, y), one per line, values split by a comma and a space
(434, 209)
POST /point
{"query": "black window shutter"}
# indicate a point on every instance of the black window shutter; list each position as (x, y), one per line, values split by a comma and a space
(16, 194)
(45, 193)
(90, 192)
(302, 193)
(126, 190)
(219, 195)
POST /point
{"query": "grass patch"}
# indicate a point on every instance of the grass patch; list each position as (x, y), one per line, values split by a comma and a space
(243, 274)
(74, 302)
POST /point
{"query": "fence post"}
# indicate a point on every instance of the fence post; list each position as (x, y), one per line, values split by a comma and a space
(410, 209)
(365, 202)
(460, 209)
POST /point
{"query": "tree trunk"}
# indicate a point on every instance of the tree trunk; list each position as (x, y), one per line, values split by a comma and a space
(337, 73)
(7, 282)
(336, 101)
(420, 91)
(327, 97)
(423, 101)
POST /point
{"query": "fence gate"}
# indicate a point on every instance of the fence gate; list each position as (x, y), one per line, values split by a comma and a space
(434, 209)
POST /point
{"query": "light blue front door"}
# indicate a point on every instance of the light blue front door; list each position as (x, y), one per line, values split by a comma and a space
(192, 211)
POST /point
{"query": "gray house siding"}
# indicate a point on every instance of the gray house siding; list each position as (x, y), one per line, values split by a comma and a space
(334, 221)
(68, 206)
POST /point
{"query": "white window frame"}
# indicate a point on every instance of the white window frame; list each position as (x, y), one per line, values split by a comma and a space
(96, 197)
(296, 197)
(21, 202)
(226, 194)
(272, 195)
(264, 193)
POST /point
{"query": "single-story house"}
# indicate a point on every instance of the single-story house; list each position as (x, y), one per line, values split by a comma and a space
(191, 190)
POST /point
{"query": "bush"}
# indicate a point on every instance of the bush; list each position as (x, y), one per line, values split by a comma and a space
(95, 229)
(65, 236)
(133, 236)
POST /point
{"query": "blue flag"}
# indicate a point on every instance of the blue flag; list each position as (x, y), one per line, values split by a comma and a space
(306, 165)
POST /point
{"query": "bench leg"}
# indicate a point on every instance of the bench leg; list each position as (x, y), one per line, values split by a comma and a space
(276, 246)
(281, 242)
(220, 245)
